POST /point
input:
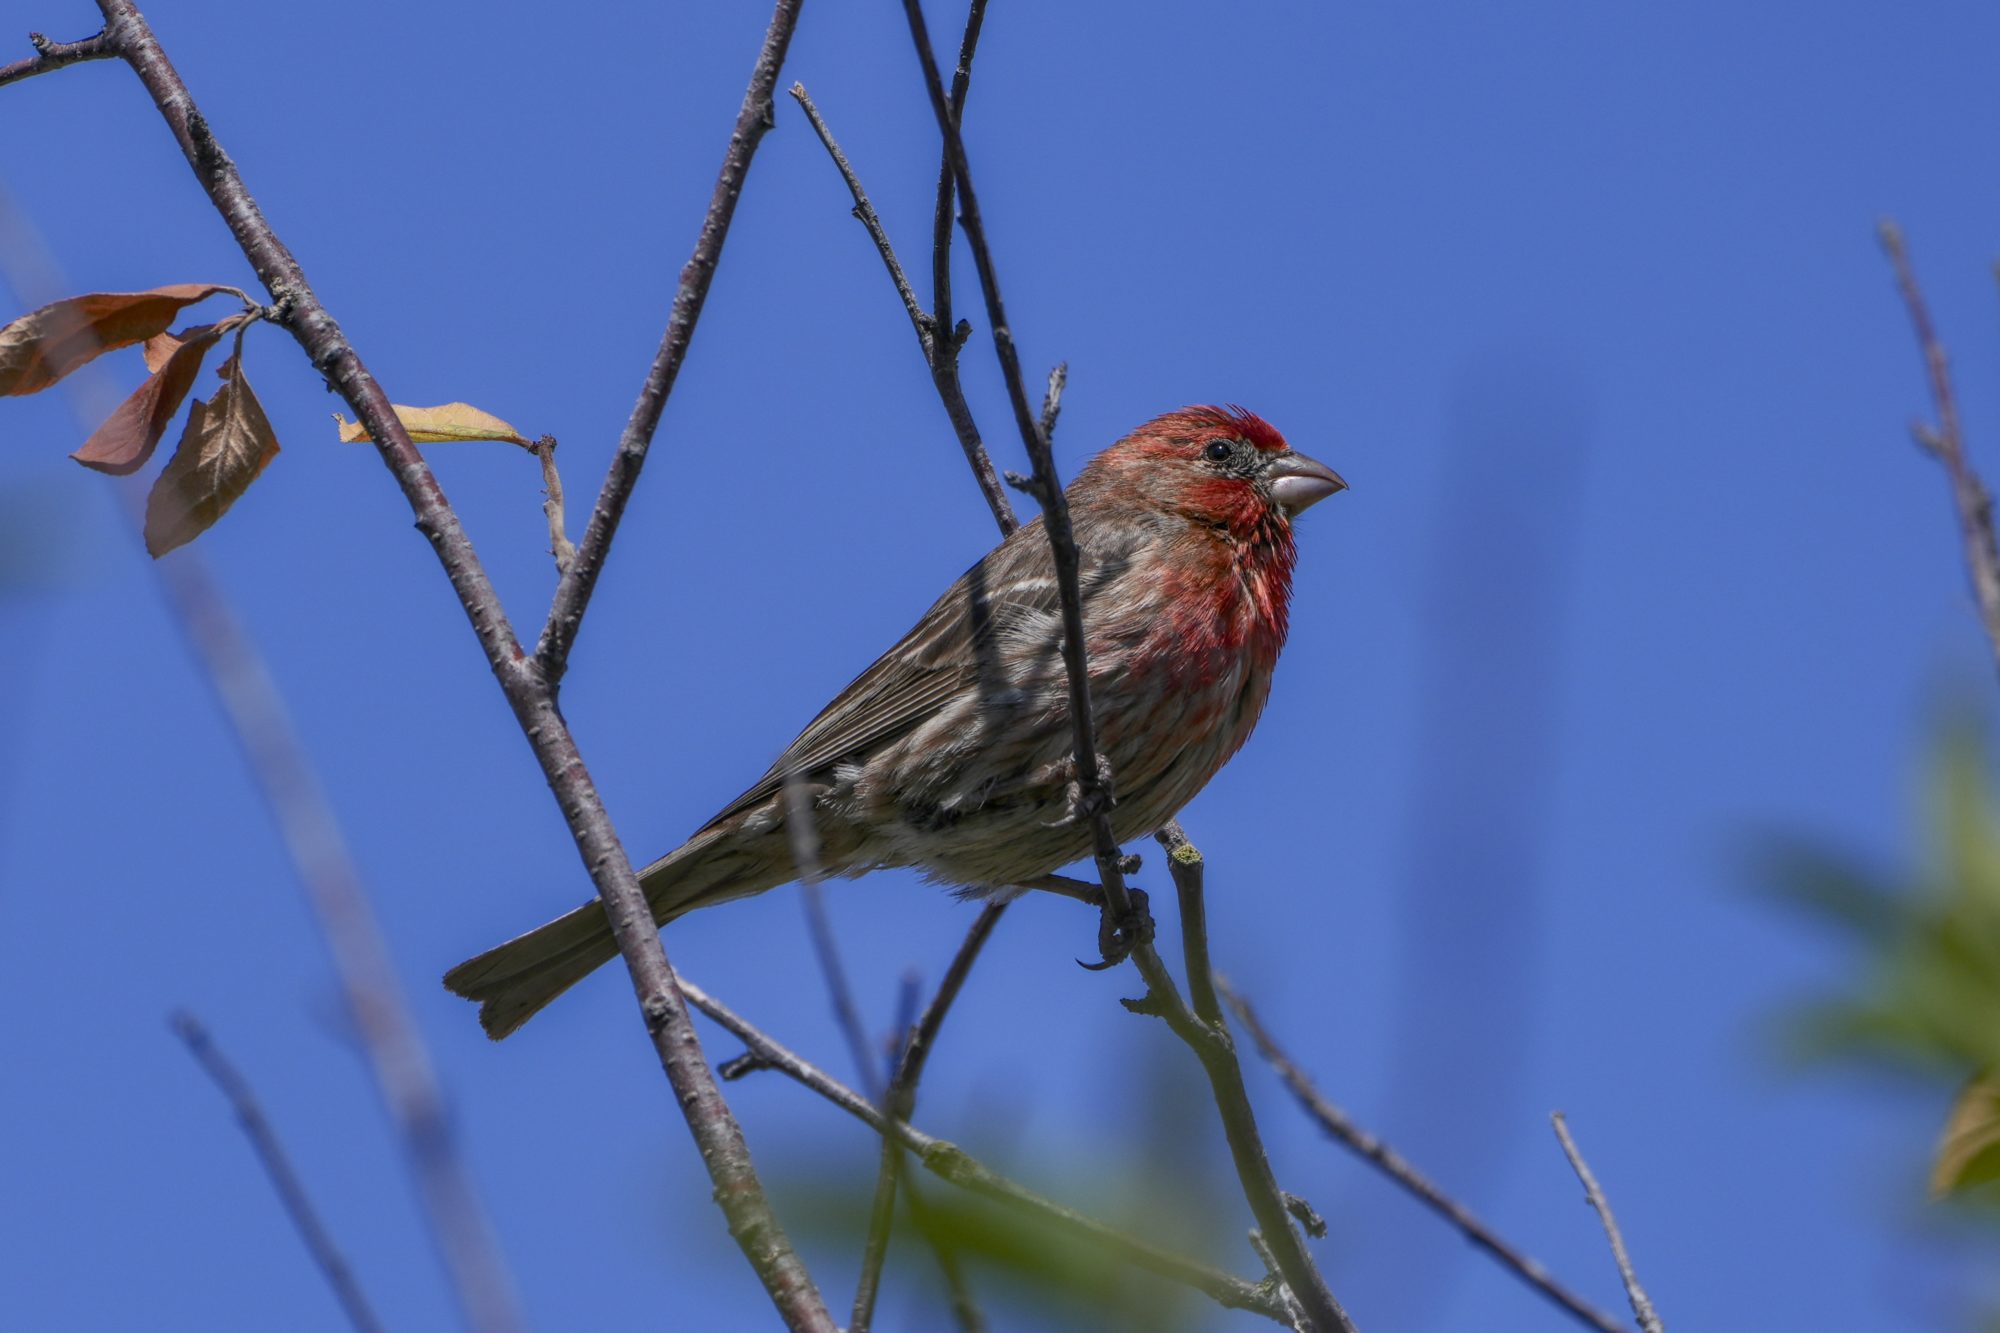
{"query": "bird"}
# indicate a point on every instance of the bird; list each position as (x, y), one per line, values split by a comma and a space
(954, 752)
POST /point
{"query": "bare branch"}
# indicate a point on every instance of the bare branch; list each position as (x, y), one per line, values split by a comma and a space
(1188, 870)
(900, 1103)
(552, 506)
(529, 691)
(1275, 1278)
(1343, 1130)
(1946, 443)
(580, 579)
(875, 1248)
(1642, 1305)
(864, 212)
(284, 1179)
(954, 1165)
(1212, 1044)
(975, 230)
(1052, 398)
(56, 55)
(936, 338)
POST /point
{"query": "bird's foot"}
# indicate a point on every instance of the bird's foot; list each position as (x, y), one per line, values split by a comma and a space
(1119, 934)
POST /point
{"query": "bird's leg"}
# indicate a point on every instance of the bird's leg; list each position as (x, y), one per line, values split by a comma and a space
(1117, 935)
(1082, 890)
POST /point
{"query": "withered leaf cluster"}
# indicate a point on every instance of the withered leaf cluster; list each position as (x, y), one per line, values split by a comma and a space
(228, 440)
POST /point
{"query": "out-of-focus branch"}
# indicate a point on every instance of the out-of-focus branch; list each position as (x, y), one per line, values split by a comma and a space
(954, 1165)
(284, 1179)
(1343, 1130)
(529, 691)
(55, 55)
(397, 1056)
(285, 778)
(804, 838)
(900, 1103)
(847, 1016)
(1642, 1305)
(573, 593)
(1946, 443)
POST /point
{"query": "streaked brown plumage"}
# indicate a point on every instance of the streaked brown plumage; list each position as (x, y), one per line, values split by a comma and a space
(953, 752)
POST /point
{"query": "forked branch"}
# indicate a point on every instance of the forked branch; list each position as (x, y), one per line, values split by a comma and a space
(954, 1165)
(1340, 1127)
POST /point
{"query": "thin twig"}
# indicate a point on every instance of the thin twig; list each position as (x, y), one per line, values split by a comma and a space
(938, 341)
(283, 774)
(1052, 398)
(969, 219)
(529, 691)
(1342, 1129)
(954, 1165)
(560, 545)
(1188, 870)
(1947, 444)
(864, 212)
(1642, 1305)
(1216, 1050)
(284, 1178)
(875, 1248)
(804, 839)
(580, 579)
(899, 1103)
(55, 55)
(1275, 1277)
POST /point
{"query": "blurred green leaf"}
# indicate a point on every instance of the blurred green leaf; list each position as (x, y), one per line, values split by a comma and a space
(1968, 1152)
(1928, 991)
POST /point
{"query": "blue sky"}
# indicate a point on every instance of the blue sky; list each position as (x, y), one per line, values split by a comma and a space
(1638, 562)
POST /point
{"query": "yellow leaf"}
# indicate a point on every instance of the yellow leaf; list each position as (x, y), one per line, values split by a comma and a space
(440, 425)
(1969, 1149)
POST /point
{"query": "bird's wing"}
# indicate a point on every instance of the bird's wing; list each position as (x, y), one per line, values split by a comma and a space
(945, 653)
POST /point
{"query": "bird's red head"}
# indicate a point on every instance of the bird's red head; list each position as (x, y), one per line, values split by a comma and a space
(1222, 466)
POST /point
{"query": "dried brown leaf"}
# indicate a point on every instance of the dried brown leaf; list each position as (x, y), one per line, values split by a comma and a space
(40, 348)
(440, 425)
(228, 442)
(158, 348)
(1968, 1151)
(129, 435)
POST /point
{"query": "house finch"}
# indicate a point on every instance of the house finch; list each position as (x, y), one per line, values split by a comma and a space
(954, 752)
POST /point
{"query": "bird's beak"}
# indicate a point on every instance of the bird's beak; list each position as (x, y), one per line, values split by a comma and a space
(1298, 482)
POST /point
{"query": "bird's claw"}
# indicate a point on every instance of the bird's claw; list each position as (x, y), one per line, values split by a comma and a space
(1118, 936)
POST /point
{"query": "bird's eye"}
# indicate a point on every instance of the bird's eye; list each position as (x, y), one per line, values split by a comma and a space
(1217, 451)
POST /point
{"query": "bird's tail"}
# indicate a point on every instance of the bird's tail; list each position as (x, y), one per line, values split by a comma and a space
(515, 980)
